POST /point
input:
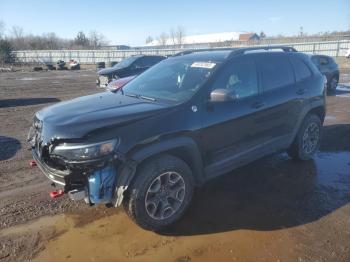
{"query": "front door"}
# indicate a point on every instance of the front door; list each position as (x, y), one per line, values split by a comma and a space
(230, 128)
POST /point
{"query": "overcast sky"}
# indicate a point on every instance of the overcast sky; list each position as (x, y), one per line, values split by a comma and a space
(130, 22)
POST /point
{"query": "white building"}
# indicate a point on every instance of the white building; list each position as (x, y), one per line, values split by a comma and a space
(204, 40)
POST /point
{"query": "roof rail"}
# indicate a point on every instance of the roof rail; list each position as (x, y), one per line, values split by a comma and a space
(238, 51)
(186, 52)
(247, 49)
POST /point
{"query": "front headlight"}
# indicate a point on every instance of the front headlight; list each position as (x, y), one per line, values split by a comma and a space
(85, 151)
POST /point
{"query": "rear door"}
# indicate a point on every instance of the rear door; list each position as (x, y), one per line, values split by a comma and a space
(280, 97)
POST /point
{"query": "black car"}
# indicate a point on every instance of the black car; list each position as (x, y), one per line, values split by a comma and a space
(130, 66)
(329, 69)
(186, 120)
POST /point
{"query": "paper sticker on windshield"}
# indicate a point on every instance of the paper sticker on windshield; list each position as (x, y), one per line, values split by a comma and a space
(208, 65)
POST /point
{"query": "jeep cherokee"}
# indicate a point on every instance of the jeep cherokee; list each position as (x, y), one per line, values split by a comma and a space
(188, 119)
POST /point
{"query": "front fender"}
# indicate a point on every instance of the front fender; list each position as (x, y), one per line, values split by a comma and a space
(182, 147)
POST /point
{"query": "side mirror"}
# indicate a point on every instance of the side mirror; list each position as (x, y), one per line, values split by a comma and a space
(222, 95)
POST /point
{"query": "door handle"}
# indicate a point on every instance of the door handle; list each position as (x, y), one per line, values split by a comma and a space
(258, 105)
(301, 91)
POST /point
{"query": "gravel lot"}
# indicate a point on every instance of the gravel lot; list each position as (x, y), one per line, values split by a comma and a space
(274, 209)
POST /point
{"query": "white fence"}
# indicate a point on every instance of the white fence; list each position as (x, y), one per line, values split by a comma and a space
(331, 48)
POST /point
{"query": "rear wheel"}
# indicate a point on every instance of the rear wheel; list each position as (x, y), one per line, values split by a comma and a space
(160, 193)
(307, 140)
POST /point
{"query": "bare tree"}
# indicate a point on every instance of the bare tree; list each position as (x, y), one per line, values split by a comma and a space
(6, 55)
(81, 39)
(17, 31)
(173, 36)
(94, 39)
(262, 35)
(2, 29)
(301, 31)
(149, 39)
(17, 35)
(51, 41)
(180, 34)
(162, 39)
(97, 39)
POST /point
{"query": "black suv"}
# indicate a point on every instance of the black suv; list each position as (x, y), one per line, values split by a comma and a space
(329, 68)
(130, 66)
(188, 119)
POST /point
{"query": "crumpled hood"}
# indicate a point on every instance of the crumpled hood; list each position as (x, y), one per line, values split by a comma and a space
(76, 118)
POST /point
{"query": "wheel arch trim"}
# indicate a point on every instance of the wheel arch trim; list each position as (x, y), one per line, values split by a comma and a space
(174, 146)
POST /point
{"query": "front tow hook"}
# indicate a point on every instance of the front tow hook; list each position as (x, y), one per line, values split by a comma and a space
(56, 193)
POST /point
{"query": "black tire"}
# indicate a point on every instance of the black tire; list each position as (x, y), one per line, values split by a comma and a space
(149, 173)
(297, 150)
(332, 84)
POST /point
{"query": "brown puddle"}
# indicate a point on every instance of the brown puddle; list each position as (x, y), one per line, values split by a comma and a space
(116, 238)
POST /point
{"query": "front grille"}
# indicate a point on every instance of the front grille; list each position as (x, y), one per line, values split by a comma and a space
(104, 80)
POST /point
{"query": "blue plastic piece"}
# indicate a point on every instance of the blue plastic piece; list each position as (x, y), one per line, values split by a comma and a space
(102, 184)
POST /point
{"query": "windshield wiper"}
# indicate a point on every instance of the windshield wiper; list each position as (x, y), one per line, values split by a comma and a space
(141, 96)
(148, 98)
(131, 95)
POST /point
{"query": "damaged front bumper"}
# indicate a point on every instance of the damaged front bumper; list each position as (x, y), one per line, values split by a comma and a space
(95, 182)
(56, 176)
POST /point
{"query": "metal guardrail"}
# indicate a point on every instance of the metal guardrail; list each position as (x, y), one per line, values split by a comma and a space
(331, 48)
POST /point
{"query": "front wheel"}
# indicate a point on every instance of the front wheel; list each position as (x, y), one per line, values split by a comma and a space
(160, 193)
(307, 140)
(332, 85)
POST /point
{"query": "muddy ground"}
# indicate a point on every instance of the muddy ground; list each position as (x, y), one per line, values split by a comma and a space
(274, 209)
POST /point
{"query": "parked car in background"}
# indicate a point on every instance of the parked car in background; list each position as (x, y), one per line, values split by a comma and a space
(329, 68)
(347, 54)
(130, 66)
(116, 84)
(184, 121)
(74, 65)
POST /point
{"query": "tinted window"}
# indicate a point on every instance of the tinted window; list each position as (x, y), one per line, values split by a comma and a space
(323, 60)
(147, 61)
(276, 72)
(302, 71)
(125, 62)
(240, 77)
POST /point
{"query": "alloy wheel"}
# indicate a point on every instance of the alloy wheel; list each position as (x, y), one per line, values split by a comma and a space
(165, 195)
(311, 138)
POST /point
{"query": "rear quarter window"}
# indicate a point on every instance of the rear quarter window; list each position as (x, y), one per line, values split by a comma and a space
(276, 72)
(302, 71)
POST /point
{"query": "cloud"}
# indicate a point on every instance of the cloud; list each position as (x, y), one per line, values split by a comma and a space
(274, 19)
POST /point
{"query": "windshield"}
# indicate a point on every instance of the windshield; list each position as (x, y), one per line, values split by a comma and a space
(125, 62)
(172, 79)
